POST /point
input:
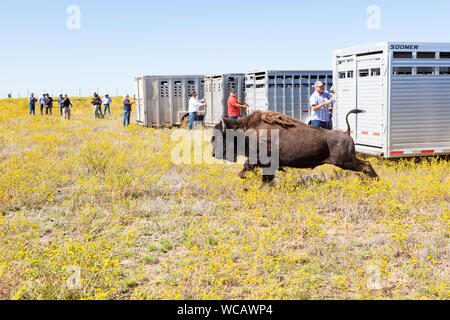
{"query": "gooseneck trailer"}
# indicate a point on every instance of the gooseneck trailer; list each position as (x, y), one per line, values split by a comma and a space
(404, 89)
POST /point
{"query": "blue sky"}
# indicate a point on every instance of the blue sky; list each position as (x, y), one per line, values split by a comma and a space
(121, 39)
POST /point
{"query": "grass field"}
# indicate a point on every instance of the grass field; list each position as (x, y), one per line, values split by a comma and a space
(93, 199)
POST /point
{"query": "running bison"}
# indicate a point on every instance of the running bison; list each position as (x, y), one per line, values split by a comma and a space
(299, 145)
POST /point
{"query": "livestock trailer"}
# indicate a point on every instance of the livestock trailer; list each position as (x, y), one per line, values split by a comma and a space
(404, 89)
(217, 92)
(286, 92)
(164, 100)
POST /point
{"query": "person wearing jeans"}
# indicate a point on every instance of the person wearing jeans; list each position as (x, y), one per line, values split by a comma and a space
(42, 103)
(61, 107)
(107, 101)
(194, 108)
(193, 119)
(321, 106)
(32, 101)
(127, 110)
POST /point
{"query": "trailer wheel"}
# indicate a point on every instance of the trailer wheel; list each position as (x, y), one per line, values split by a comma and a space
(184, 122)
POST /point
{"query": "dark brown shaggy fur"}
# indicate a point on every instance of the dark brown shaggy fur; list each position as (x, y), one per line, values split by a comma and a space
(300, 145)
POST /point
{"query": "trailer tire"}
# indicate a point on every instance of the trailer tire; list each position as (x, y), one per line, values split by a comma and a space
(184, 123)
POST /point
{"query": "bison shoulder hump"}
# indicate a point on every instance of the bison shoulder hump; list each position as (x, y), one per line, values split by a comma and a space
(274, 118)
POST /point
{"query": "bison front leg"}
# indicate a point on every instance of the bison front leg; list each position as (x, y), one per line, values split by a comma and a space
(247, 167)
(268, 179)
(368, 170)
(360, 166)
(268, 175)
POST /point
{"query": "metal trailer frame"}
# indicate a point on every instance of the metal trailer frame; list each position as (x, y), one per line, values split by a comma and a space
(284, 91)
(164, 100)
(404, 87)
(217, 90)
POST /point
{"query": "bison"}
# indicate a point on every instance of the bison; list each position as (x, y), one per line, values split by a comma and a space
(299, 145)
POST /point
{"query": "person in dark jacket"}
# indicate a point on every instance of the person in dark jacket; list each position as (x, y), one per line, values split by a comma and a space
(127, 110)
(48, 104)
(67, 105)
(97, 103)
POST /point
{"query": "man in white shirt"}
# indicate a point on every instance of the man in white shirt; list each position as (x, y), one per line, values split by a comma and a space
(107, 101)
(194, 108)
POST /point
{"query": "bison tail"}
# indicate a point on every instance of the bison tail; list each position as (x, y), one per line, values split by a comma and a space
(354, 111)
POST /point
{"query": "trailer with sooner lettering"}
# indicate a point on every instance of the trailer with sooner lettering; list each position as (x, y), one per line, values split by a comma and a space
(404, 89)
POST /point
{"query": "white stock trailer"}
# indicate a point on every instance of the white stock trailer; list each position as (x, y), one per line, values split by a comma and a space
(164, 100)
(217, 92)
(287, 92)
(404, 89)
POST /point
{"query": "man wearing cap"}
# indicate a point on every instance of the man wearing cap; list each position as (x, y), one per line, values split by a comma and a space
(234, 106)
(194, 108)
(321, 106)
(97, 103)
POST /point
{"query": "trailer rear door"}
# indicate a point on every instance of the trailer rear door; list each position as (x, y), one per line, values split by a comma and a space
(369, 82)
(346, 95)
(140, 107)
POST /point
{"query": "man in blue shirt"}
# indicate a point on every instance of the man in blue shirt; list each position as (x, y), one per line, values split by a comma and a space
(127, 109)
(321, 106)
(60, 100)
(32, 101)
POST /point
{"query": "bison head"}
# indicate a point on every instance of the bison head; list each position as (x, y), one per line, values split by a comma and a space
(224, 140)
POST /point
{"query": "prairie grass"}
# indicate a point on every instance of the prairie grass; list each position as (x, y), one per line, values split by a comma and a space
(92, 195)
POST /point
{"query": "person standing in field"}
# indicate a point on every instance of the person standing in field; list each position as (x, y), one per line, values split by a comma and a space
(32, 101)
(48, 104)
(194, 108)
(107, 101)
(42, 103)
(234, 106)
(97, 103)
(61, 107)
(66, 105)
(321, 104)
(127, 110)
